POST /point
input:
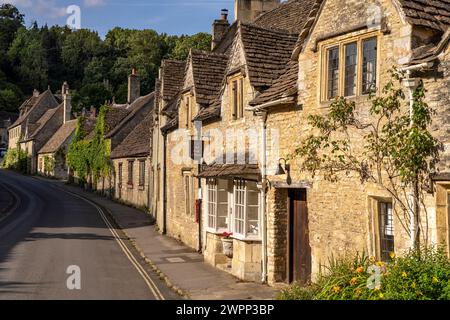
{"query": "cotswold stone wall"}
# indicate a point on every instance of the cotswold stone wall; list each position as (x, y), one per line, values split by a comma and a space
(341, 217)
(131, 193)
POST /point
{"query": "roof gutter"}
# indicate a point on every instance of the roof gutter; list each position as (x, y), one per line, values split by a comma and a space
(269, 104)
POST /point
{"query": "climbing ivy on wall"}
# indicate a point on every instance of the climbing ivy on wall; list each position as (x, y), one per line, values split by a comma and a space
(90, 158)
(49, 165)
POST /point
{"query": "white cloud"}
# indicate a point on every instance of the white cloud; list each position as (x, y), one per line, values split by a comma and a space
(94, 3)
(49, 8)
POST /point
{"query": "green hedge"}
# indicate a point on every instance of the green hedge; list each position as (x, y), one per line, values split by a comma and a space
(419, 275)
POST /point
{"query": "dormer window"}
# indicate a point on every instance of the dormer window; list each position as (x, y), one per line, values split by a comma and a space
(349, 67)
(236, 85)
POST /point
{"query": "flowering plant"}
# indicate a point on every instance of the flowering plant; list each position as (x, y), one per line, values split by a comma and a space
(227, 235)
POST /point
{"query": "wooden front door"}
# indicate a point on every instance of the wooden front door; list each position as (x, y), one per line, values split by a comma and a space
(299, 248)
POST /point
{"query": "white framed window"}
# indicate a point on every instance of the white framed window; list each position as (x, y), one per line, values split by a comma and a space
(246, 204)
(217, 202)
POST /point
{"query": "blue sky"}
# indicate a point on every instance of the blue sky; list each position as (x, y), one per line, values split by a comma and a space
(169, 16)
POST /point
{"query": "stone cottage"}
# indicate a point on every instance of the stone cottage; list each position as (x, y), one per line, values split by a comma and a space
(40, 117)
(346, 49)
(131, 161)
(167, 86)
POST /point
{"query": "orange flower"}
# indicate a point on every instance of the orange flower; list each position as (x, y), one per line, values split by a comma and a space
(359, 270)
(354, 281)
(336, 289)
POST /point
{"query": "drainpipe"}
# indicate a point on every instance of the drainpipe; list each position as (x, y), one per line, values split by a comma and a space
(262, 123)
(164, 186)
(411, 84)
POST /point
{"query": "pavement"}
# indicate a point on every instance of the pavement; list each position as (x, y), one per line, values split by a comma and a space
(57, 245)
(183, 269)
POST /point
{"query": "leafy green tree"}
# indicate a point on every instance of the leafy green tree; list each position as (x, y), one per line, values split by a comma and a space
(199, 41)
(29, 57)
(93, 94)
(398, 151)
(11, 20)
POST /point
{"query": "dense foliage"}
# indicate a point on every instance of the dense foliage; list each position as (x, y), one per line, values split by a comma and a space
(17, 159)
(96, 69)
(89, 158)
(420, 275)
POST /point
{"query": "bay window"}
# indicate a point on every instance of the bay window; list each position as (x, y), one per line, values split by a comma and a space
(233, 206)
(349, 67)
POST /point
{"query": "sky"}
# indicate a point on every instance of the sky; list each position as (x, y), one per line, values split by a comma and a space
(173, 17)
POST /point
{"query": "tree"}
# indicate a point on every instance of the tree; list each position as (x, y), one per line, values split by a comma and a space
(11, 20)
(398, 151)
(199, 41)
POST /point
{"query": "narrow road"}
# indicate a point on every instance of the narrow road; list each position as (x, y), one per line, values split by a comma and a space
(51, 230)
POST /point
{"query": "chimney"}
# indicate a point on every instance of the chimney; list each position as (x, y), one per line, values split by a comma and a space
(248, 10)
(134, 87)
(67, 102)
(220, 28)
(36, 93)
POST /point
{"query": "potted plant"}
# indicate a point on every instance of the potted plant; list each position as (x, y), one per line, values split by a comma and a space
(227, 243)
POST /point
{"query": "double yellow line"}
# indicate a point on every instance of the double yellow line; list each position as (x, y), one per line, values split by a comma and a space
(148, 280)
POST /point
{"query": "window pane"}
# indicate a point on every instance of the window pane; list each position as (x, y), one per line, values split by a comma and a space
(235, 99)
(333, 72)
(386, 230)
(350, 69)
(239, 206)
(222, 204)
(212, 203)
(369, 68)
(252, 227)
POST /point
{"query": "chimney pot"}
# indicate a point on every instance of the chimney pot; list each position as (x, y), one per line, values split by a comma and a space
(224, 14)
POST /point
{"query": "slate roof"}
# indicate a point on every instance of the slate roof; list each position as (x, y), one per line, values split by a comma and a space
(289, 16)
(173, 75)
(208, 70)
(137, 143)
(60, 137)
(267, 52)
(210, 112)
(284, 86)
(31, 105)
(434, 14)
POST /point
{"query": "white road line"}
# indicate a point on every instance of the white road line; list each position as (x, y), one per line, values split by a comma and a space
(148, 280)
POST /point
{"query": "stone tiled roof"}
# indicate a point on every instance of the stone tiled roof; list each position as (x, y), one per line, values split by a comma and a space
(157, 94)
(60, 137)
(211, 112)
(434, 14)
(42, 122)
(173, 76)
(267, 53)
(132, 109)
(170, 126)
(290, 16)
(30, 106)
(137, 143)
(430, 52)
(283, 87)
(230, 171)
(209, 70)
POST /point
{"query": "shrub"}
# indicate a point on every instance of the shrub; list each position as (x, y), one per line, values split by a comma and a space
(16, 159)
(420, 274)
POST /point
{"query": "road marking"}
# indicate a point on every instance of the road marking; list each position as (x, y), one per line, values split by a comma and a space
(148, 280)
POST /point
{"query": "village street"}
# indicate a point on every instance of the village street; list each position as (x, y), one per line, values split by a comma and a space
(49, 231)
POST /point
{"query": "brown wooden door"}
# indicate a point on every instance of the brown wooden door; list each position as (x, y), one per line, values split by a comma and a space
(299, 248)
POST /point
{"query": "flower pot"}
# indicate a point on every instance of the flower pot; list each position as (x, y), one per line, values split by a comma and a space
(227, 247)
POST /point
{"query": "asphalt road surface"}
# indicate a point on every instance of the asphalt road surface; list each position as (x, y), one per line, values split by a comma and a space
(53, 243)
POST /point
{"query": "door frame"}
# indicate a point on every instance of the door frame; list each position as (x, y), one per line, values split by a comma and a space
(290, 234)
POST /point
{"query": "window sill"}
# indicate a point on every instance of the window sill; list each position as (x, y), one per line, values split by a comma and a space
(141, 188)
